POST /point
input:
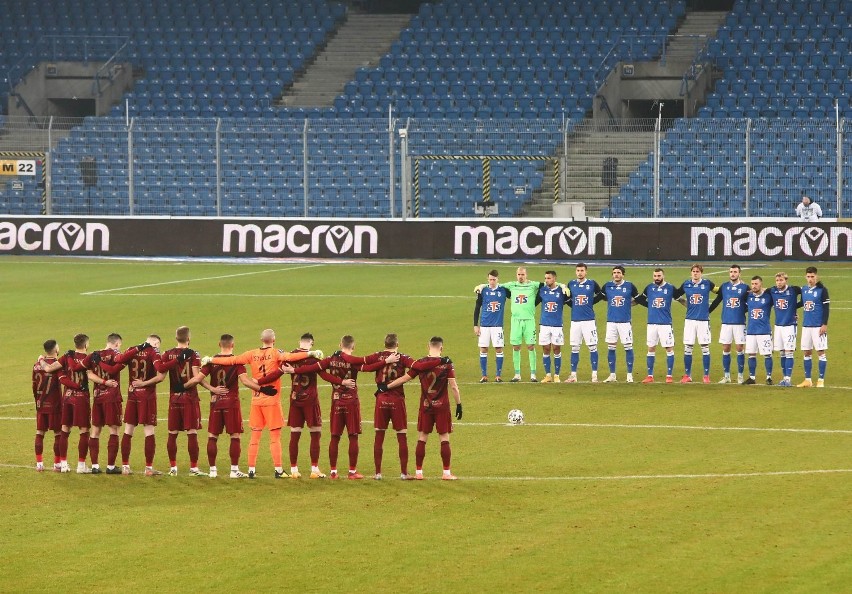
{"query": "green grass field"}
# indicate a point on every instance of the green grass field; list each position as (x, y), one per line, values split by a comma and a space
(607, 488)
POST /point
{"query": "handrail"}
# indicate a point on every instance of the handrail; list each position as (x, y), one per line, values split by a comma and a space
(54, 47)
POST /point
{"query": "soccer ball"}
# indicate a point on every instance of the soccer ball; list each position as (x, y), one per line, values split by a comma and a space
(516, 417)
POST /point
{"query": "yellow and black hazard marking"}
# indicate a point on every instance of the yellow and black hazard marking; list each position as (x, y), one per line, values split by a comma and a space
(486, 171)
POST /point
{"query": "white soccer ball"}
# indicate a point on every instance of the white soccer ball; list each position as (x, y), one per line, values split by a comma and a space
(516, 417)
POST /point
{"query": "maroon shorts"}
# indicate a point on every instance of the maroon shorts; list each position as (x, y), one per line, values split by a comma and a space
(438, 419)
(106, 413)
(390, 409)
(184, 412)
(141, 410)
(49, 420)
(77, 411)
(228, 419)
(305, 412)
(346, 415)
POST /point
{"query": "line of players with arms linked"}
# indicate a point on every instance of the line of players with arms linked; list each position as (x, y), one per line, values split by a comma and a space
(64, 399)
(745, 318)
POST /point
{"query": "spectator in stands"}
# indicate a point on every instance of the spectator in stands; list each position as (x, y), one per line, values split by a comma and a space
(807, 210)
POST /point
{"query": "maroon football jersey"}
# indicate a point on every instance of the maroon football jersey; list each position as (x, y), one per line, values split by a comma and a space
(338, 367)
(227, 376)
(143, 366)
(181, 373)
(75, 369)
(109, 368)
(304, 385)
(390, 371)
(434, 379)
(46, 390)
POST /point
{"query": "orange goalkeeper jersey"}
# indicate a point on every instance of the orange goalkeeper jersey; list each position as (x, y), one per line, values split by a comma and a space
(263, 361)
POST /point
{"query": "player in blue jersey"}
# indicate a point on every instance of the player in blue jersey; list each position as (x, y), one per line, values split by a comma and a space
(551, 335)
(620, 295)
(732, 297)
(758, 336)
(657, 297)
(584, 294)
(696, 296)
(785, 299)
(488, 324)
(815, 304)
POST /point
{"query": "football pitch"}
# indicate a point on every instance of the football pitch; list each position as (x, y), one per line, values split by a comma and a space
(606, 488)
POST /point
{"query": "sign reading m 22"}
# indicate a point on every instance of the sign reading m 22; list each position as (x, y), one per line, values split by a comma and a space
(17, 167)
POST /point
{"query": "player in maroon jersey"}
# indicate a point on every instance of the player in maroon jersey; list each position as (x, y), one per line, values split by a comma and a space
(434, 403)
(104, 372)
(183, 364)
(48, 402)
(304, 406)
(145, 371)
(225, 412)
(390, 406)
(345, 406)
(76, 407)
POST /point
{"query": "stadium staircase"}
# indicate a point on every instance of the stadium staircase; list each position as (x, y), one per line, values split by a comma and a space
(682, 47)
(360, 41)
(586, 153)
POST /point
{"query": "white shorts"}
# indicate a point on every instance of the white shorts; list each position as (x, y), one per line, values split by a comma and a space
(812, 341)
(584, 331)
(696, 330)
(619, 330)
(758, 343)
(785, 338)
(660, 333)
(548, 335)
(732, 334)
(491, 335)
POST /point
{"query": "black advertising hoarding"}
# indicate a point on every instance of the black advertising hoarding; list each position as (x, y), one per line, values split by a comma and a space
(524, 240)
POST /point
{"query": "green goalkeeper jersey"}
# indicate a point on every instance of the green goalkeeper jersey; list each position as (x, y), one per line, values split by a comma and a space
(523, 298)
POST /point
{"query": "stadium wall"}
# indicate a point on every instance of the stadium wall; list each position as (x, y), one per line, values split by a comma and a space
(526, 240)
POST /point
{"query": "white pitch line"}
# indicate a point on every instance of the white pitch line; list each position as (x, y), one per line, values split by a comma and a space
(599, 426)
(646, 477)
(282, 295)
(207, 278)
(672, 427)
(17, 404)
(626, 477)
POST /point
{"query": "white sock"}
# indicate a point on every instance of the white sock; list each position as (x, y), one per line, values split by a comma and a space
(294, 469)
(315, 469)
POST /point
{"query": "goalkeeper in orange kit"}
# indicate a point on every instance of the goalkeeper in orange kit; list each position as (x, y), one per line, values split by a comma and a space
(265, 410)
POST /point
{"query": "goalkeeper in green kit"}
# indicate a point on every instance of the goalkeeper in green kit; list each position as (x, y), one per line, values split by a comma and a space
(524, 293)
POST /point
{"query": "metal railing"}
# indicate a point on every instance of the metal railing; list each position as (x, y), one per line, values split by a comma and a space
(441, 168)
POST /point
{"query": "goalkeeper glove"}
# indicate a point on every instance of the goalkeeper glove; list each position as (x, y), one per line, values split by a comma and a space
(268, 390)
(185, 355)
(382, 387)
(317, 354)
(336, 353)
(143, 346)
(446, 361)
(478, 288)
(206, 360)
(564, 288)
(69, 353)
(459, 411)
(177, 388)
(95, 357)
(84, 387)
